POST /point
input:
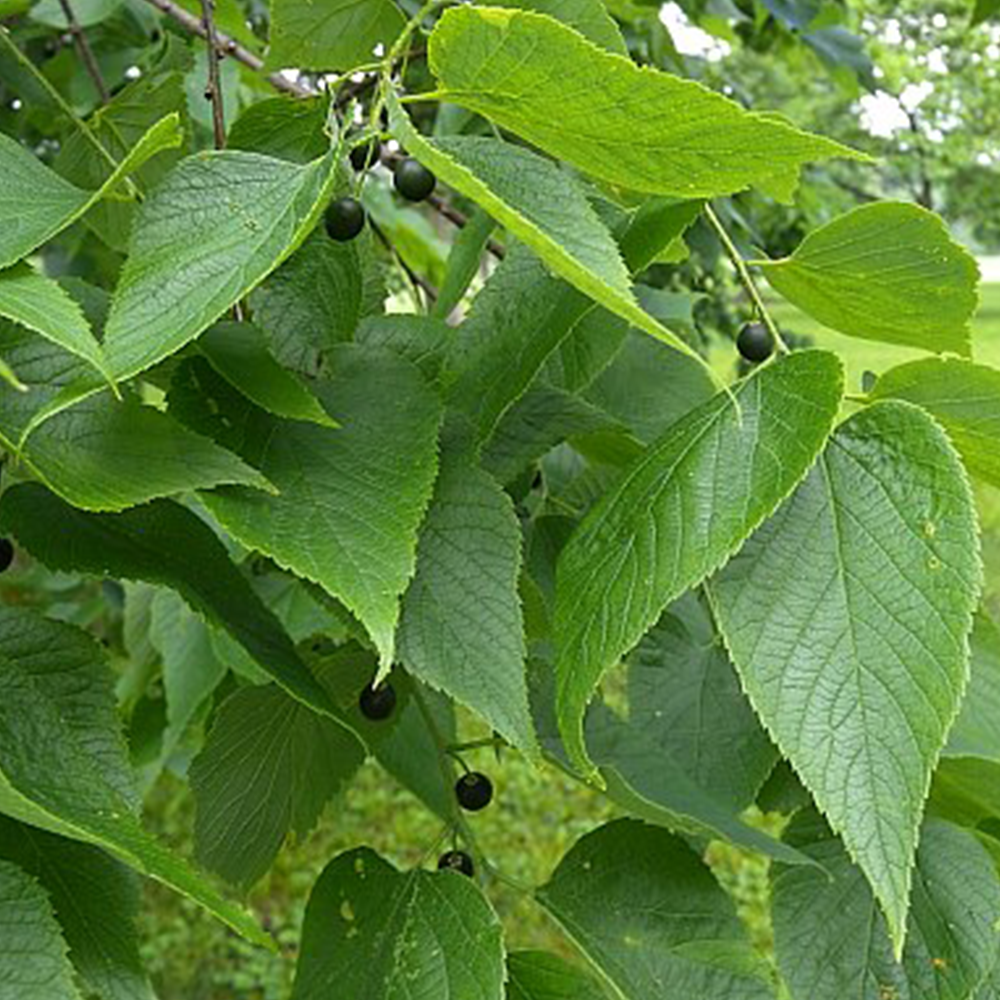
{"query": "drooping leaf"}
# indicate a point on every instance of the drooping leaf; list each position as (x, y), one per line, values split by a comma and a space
(350, 499)
(888, 271)
(213, 230)
(541, 206)
(33, 962)
(461, 629)
(856, 659)
(679, 512)
(37, 302)
(36, 203)
(372, 931)
(161, 542)
(238, 352)
(832, 942)
(649, 131)
(52, 775)
(964, 397)
(540, 975)
(268, 767)
(335, 35)
(463, 262)
(645, 909)
(95, 900)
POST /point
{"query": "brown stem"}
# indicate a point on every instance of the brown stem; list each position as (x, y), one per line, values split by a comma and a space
(85, 52)
(214, 90)
(460, 219)
(229, 46)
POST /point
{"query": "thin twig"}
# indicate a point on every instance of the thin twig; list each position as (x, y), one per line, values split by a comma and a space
(214, 89)
(85, 52)
(460, 219)
(746, 279)
(230, 47)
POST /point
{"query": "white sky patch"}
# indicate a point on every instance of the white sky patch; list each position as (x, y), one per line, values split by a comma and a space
(936, 61)
(689, 39)
(891, 34)
(882, 115)
(914, 94)
(939, 20)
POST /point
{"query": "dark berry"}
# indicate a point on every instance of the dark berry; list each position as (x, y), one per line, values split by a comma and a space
(413, 180)
(377, 703)
(345, 218)
(457, 861)
(366, 155)
(474, 791)
(6, 553)
(755, 342)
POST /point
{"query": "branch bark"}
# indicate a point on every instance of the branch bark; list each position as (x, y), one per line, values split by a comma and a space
(85, 52)
(214, 90)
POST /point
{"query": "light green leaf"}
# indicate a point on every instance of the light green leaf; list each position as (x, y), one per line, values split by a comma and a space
(646, 911)
(589, 17)
(678, 513)
(351, 500)
(856, 658)
(50, 777)
(975, 732)
(964, 397)
(33, 962)
(268, 767)
(461, 629)
(95, 899)
(542, 207)
(636, 127)
(832, 942)
(337, 34)
(238, 352)
(206, 236)
(463, 262)
(373, 932)
(888, 271)
(37, 302)
(539, 975)
(87, 12)
(161, 542)
(36, 203)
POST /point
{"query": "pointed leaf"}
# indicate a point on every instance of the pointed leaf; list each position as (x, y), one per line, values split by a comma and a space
(888, 271)
(33, 962)
(856, 659)
(461, 629)
(213, 230)
(538, 975)
(646, 911)
(373, 932)
(678, 513)
(636, 127)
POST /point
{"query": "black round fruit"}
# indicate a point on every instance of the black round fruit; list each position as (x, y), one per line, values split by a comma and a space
(474, 791)
(345, 218)
(377, 703)
(366, 155)
(755, 342)
(6, 553)
(413, 180)
(457, 861)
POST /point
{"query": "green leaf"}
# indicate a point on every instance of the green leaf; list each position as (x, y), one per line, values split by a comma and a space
(832, 942)
(95, 899)
(51, 777)
(542, 207)
(33, 962)
(589, 17)
(463, 262)
(975, 732)
(889, 272)
(289, 128)
(539, 975)
(964, 397)
(373, 932)
(337, 35)
(351, 500)
(461, 629)
(591, 345)
(268, 767)
(646, 911)
(206, 236)
(678, 513)
(685, 696)
(238, 352)
(87, 12)
(649, 131)
(984, 10)
(856, 659)
(37, 302)
(37, 203)
(161, 542)
(424, 340)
